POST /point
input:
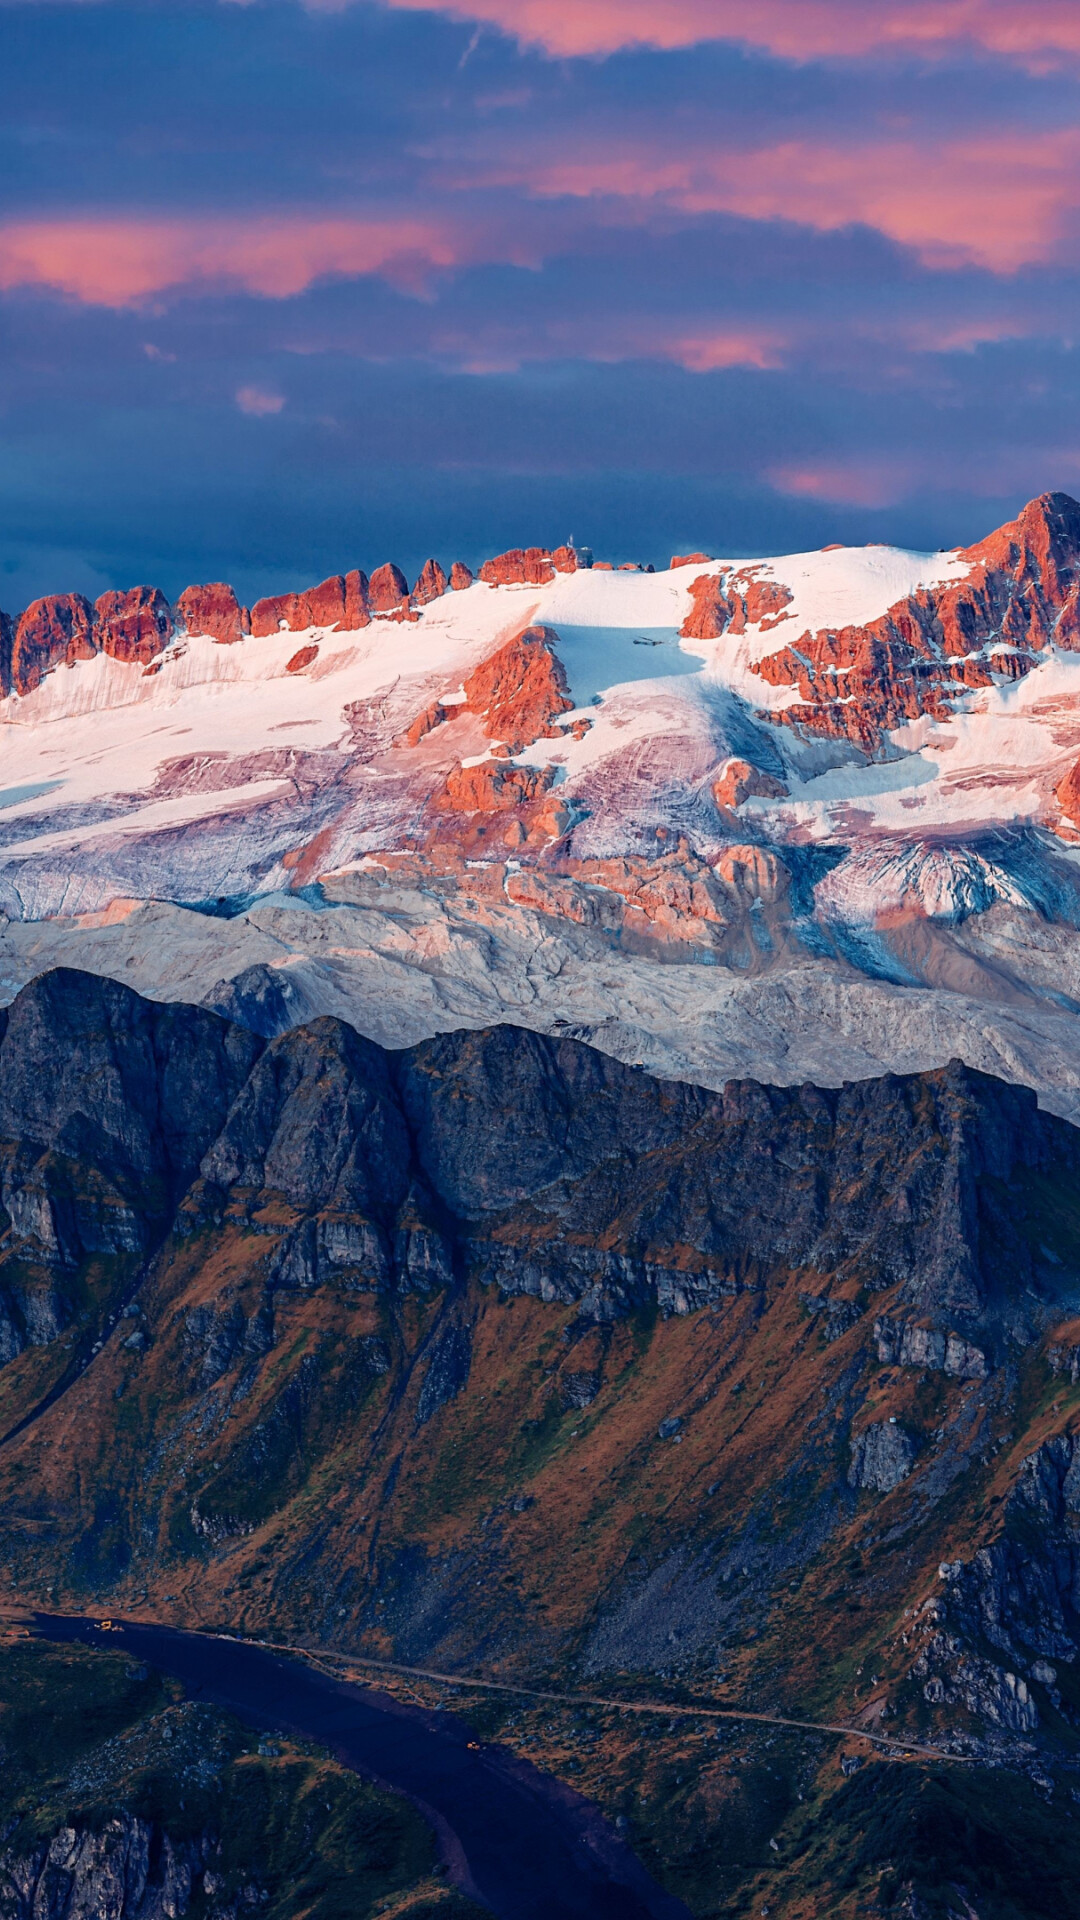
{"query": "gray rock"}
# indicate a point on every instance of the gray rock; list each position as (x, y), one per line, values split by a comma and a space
(446, 1373)
(881, 1456)
(579, 1389)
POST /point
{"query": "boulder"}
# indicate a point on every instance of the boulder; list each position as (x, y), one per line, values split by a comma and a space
(214, 610)
(55, 631)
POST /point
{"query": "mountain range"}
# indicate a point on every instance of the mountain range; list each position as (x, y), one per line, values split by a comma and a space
(538, 1139)
(800, 818)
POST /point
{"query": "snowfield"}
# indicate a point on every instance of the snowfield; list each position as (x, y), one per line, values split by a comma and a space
(215, 826)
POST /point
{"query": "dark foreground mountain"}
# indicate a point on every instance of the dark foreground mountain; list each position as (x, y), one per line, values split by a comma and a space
(495, 1353)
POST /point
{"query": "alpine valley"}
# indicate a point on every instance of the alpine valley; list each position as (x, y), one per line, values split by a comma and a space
(540, 1143)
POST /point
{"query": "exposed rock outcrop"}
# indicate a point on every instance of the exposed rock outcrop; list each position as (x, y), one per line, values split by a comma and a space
(521, 690)
(738, 781)
(905, 1173)
(1022, 593)
(460, 577)
(388, 590)
(341, 601)
(431, 584)
(1067, 793)
(55, 631)
(214, 610)
(126, 1870)
(881, 1456)
(730, 604)
(133, 626)
(493, 786)
(908, 1343)
(531, 566)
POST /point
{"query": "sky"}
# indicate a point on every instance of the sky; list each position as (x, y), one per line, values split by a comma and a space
(288, 288)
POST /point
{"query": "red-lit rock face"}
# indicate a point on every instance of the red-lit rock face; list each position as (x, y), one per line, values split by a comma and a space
(528, 566)
(1022, 593)
(493, 787)
(1068, 795)
(52, 632)
(305, 657)
(388, 589)
(739, 781)
(690, 559)
(324, 605)
(212, 609)
(745, 601)
(460, 576)
(276, 611)
(521, 690)
(431, 584)
(356, 602)
(341, 601)
(133, 626)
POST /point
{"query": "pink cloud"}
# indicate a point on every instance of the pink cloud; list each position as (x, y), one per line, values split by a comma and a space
(849, 483)
(257, 401)
(795, 29)
(1002, 201)
(120, 262)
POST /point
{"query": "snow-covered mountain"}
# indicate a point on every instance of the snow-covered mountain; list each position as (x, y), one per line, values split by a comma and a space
(799, 818)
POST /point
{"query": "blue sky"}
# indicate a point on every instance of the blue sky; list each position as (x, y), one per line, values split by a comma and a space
(288, 289)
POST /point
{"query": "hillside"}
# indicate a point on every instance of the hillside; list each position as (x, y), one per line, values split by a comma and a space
(495, 1353)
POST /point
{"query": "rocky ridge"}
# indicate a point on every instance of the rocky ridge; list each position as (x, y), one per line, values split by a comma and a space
(138, 624)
